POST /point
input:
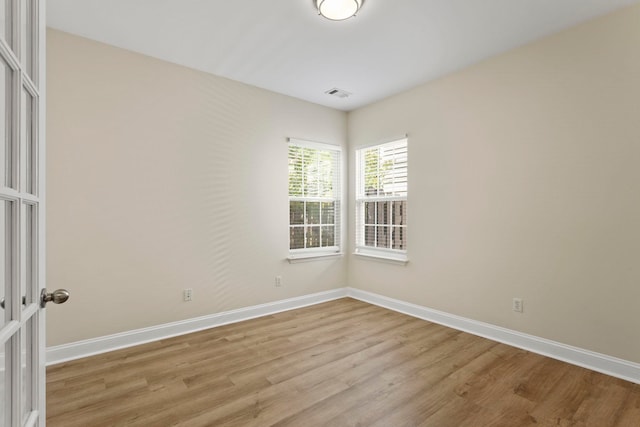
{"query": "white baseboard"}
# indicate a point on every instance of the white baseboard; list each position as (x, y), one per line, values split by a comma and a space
(90, 347)
(609, 365)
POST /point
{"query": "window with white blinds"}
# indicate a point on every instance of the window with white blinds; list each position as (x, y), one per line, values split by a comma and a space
(381, 200)
(314, 198)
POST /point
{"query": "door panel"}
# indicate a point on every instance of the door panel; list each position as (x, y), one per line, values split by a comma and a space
(5, 124)
(25, 137)
(21, 228)
(25, 48)
(7, 247)
(5, 21)
(4, 402)
(24, 411)
(29, 289)
(27, 370)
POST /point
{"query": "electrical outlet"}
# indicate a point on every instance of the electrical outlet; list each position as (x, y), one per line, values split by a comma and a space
(187, 294)
(518, 305)
(278, 281)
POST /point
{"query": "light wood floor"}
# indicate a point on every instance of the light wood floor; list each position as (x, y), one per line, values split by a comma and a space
(341, 363)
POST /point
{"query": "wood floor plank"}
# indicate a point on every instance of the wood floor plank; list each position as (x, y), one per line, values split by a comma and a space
(341, 363)
(630, 412)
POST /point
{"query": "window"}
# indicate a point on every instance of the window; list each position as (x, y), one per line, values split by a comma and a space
(314, 199)
(381, 200)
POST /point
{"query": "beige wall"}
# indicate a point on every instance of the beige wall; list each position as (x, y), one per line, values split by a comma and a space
(162, 178)
(525, 182)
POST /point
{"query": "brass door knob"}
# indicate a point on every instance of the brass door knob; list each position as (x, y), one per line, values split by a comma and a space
(58, 296)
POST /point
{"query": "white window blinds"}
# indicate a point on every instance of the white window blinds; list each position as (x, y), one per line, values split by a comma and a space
(314, 197)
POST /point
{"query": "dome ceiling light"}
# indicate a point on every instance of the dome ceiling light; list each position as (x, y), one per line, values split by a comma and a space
(338, 10)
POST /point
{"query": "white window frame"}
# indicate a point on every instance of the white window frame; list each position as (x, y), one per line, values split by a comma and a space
(399, 194)
(306, 254)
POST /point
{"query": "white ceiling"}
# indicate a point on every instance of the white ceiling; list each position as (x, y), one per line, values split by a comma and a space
(284, 46)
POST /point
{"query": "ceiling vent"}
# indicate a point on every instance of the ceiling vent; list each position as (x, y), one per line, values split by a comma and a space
(338, 92)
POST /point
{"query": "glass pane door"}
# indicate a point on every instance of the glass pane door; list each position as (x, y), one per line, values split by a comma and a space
(22, 401)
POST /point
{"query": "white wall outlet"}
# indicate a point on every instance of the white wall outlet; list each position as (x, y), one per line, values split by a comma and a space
(518, 305)
(278, 281)
(187, 294)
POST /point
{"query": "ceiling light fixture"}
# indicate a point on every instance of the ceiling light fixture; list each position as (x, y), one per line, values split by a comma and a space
(338, 10)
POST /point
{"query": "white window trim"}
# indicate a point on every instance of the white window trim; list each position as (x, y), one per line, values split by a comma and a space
(307, 255)
(393, 256)
(384, 255)
(314, 144)
(314, 254)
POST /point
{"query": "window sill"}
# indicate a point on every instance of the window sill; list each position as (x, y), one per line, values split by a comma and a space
(294, 259)
(398, 259)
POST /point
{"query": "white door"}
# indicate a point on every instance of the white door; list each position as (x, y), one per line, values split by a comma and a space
(22, 320)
